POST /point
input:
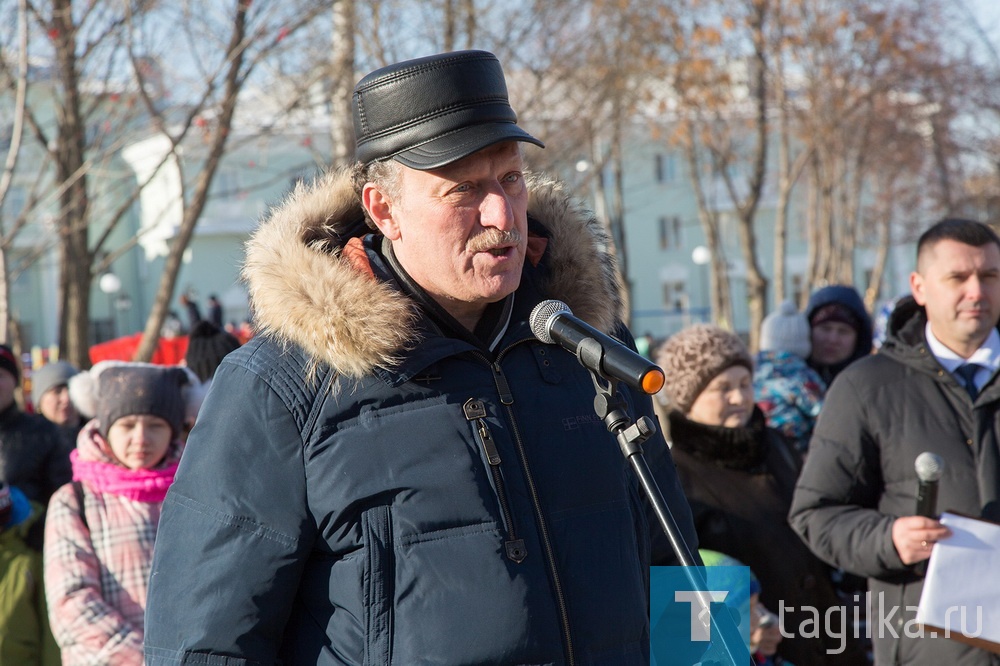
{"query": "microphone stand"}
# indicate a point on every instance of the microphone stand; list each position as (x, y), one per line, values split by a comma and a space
(631, 434)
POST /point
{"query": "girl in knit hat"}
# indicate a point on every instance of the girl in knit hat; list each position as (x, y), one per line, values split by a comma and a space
(738, 476)
(100, 529)
(786, 389)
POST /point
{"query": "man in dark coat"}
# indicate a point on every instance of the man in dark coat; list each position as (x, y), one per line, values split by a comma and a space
(855, 500)
(395, 469)
(33, 454)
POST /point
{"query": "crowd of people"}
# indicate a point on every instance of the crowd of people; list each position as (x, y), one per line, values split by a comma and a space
(396, 469)
(82, 482)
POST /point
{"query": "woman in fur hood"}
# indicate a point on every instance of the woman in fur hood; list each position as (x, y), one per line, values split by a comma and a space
(100, 528)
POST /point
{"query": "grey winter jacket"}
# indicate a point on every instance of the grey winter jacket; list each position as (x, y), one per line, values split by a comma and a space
(361, 489)
(880, 414)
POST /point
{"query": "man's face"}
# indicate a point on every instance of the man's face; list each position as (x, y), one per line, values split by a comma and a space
(959, 287)
(460, 231)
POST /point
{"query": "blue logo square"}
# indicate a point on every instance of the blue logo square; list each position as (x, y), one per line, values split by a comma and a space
(682, 633)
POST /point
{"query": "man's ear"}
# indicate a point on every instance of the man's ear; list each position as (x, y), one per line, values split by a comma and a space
(379, 208)
(917, 288)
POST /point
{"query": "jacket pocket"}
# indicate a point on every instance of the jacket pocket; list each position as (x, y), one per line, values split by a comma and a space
(475, 413)
(379, 577)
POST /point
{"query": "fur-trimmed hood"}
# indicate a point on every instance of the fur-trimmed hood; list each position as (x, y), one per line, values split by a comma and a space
(306, 291)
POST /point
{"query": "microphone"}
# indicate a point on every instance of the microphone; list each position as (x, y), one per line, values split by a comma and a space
(930, 467)
(553, 322)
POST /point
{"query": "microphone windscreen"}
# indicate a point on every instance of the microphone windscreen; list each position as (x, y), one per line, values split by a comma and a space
(540, 315)
(929, 466)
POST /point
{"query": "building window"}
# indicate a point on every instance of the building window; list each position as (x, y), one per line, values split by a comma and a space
(670, 232)
(665, 169)
(675, 296)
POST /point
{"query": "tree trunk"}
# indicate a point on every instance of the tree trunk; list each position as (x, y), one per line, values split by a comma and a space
(617, 219)
(881, 259)
(450, 19)
(75, 257)
(342, 86)
(719, 288)
(192, 212)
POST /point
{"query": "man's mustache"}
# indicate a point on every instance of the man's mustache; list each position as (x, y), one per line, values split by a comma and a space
(494, 238)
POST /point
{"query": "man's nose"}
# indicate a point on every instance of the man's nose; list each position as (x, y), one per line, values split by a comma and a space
(974, 288)
(497, 210)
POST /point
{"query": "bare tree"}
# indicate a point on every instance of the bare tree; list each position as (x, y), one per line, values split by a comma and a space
(860, 63)
(109, 88)
(20, 85)
(724, 128)
(252, 39)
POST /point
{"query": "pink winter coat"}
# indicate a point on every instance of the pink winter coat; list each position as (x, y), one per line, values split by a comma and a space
(96, 574)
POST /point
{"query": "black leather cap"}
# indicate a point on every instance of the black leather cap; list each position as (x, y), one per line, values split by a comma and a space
(432, 111)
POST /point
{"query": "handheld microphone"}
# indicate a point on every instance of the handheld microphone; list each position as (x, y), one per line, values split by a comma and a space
(553, 322)
(930, 467)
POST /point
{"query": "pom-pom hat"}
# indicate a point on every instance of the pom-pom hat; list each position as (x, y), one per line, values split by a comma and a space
(114, 389)
(786, 329)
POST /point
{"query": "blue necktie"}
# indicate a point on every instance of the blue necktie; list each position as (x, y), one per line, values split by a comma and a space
(967, 372)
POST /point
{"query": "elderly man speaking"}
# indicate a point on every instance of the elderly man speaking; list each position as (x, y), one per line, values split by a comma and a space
(395, 470)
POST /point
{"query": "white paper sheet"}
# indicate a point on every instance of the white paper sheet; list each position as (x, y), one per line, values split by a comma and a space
(961, 594)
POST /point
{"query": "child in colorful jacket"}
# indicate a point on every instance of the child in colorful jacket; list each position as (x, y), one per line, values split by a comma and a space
(25, 638)
(786, 389)
(100, 529)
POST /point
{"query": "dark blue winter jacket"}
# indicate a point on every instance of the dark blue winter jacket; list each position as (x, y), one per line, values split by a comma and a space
(362, 489)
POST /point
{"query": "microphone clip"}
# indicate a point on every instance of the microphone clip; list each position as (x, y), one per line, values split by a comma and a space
(611, 408)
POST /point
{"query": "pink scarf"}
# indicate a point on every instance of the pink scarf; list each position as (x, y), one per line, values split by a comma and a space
(102, 474)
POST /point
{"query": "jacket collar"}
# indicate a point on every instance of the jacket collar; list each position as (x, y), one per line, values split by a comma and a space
(311, 282)
(743, 448)
(906, 342)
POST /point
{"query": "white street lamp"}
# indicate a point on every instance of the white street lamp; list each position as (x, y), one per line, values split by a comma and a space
(701, 255)
(111, 284)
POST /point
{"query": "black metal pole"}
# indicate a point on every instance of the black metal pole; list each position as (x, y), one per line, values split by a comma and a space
(630, 437)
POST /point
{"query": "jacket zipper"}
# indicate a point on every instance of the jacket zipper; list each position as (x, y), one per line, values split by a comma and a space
(475, 411)
(507, 399)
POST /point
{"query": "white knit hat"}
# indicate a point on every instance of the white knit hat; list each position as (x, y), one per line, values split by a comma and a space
(786, 329)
